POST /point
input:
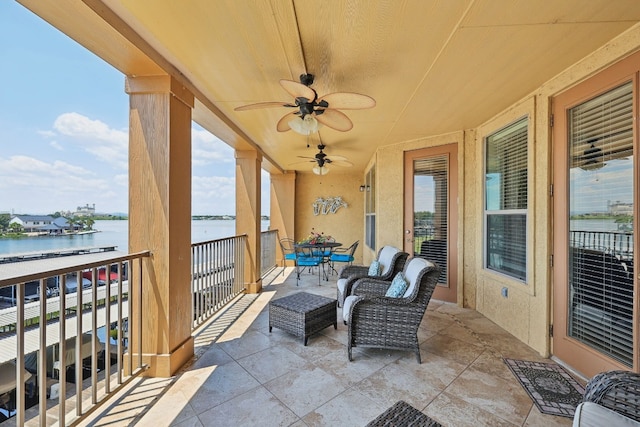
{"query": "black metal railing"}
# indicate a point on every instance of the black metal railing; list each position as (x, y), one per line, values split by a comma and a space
(217, 275)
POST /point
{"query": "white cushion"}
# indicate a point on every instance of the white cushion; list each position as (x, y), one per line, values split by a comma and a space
(346, 307)
(385, 257)
(411, 271)
(589, 414)
(341, 283)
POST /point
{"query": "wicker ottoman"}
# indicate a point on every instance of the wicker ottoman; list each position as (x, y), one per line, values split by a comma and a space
(302, 314)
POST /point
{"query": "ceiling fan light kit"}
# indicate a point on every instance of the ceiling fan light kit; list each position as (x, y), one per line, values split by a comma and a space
(304, 126)
(320, 170)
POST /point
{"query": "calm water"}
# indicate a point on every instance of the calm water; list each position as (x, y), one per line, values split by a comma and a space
(115, 233)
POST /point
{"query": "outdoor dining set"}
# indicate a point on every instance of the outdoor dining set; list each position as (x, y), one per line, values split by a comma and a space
(324, 253)
(382, 304)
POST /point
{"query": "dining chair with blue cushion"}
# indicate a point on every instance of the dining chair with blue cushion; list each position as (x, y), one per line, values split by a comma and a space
(344, 255)
(288, 251)
(306, 259)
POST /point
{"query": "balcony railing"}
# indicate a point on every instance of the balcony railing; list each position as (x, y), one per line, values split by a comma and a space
(268, 242)
(65, 344)
(217, 275)
(616, 243)
(39, 377)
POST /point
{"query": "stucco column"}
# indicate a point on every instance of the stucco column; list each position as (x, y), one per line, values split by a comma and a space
(160, 217)
(248, 207)
(282, 213)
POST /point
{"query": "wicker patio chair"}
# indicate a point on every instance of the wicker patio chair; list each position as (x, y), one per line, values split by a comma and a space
(390, 258)
(378, 321)
(616, 390)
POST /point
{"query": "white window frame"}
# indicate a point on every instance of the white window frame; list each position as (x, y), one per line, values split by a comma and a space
(487, 213)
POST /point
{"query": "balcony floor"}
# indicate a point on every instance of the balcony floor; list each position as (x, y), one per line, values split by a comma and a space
(242, 375)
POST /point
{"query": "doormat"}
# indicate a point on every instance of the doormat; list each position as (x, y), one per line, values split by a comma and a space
(403, 415)
(549, 385)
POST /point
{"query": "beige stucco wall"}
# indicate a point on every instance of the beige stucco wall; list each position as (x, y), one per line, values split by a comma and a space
(526, 311)
(346, 224)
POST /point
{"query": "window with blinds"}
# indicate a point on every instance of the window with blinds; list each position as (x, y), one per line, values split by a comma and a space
(506, 189)
(601, 263)
(430, 224)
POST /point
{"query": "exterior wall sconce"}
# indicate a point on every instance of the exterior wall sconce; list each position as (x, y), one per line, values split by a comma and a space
(361, 188)
(364, 187)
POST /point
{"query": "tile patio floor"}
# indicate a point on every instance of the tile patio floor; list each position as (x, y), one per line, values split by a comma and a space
(242, 375)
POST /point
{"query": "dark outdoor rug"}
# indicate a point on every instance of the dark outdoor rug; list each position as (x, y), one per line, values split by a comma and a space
(549, 385)
(403, 415)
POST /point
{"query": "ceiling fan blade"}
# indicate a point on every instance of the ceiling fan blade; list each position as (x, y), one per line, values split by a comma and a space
(348, 101)
(334, 158)
(343, 163)
(283, 123)
(335, 120)
(297, 90)
(313, 159)
(263, 105)
(302, 162)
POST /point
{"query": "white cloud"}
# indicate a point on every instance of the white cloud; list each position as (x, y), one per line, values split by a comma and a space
(56, 145)
(207, 148)
(214, 195)
(108, 145)
(34, 186)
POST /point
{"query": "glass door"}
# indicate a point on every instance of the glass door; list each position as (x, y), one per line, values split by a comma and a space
(594, 293)
(429, 216)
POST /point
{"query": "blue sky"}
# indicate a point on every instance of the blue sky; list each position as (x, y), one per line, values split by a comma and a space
(64, 129)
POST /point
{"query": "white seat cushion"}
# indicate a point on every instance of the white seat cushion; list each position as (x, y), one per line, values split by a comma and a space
(346, 307)
(412, 270)
(385, 257)
(341, 284)
(589, 414)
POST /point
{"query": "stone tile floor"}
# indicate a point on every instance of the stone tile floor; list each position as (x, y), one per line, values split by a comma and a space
(242, 375)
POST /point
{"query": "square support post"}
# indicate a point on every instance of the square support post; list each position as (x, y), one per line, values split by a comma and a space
(248, 216)
(160, 218)
(282, 208)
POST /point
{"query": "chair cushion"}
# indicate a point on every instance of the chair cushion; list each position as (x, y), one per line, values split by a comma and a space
(589, 414)
(412, 269)
(290, 256)
(398, 286)
(374, 269)
(347, 306)
(341, 284)
(386, 256)
(341, 258)
(307, 261)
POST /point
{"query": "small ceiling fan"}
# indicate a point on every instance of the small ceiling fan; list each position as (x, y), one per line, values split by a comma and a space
(311, 111)
(323, 160)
